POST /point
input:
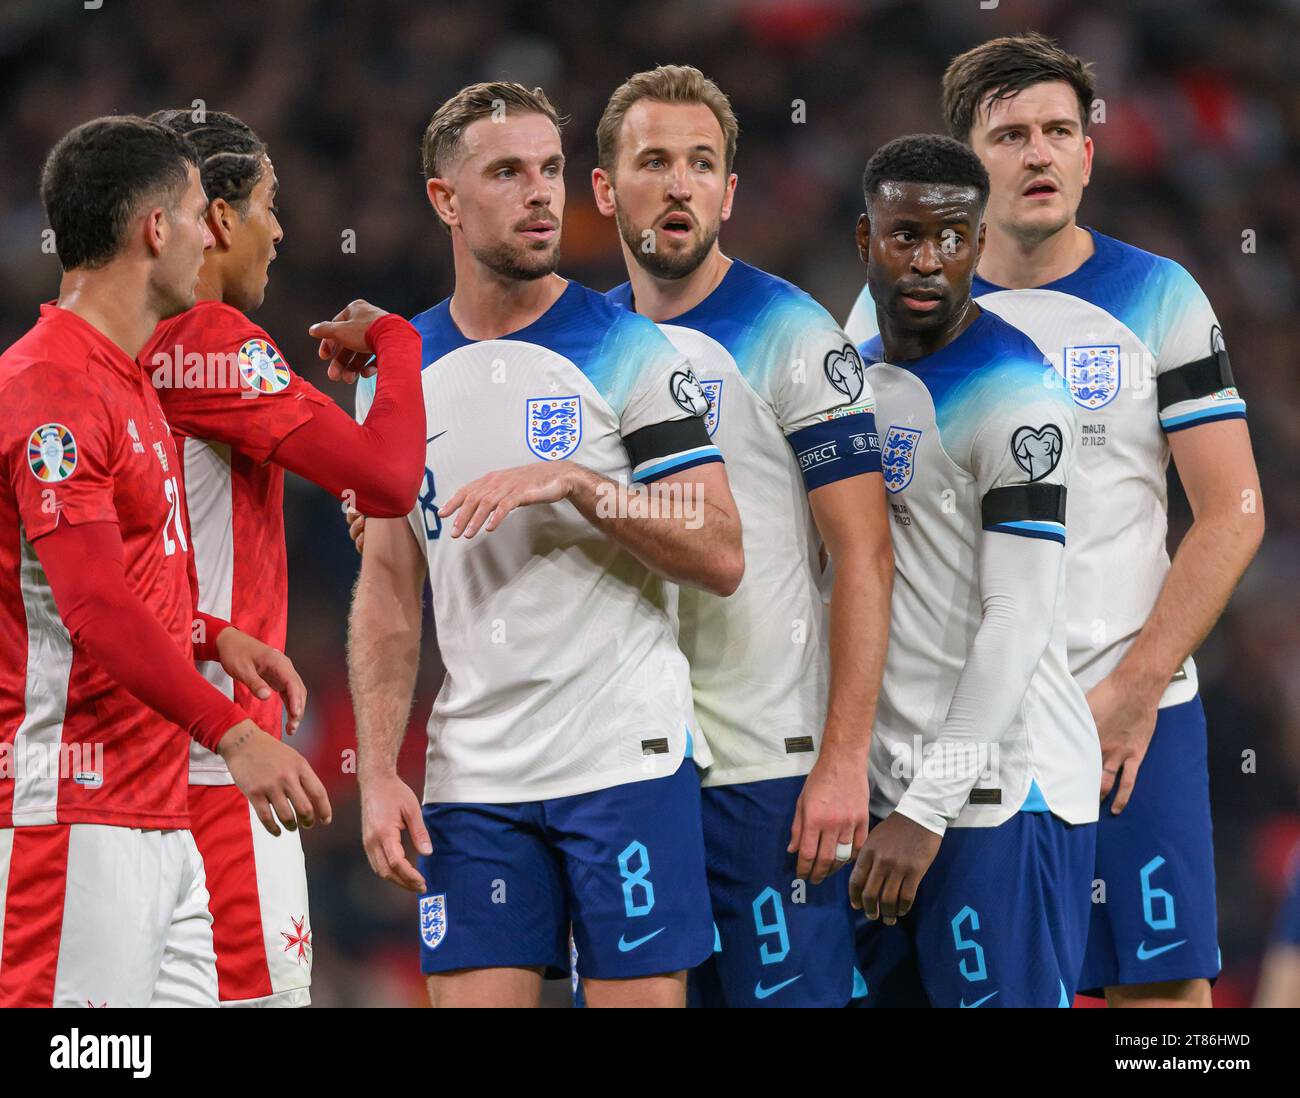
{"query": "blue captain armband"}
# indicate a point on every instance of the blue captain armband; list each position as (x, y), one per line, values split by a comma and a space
(846, 446)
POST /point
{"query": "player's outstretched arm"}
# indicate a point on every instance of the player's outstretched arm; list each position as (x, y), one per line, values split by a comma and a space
(375, 466)
(87, 578)
(1217, 468)
(383, 660)
(852, 517)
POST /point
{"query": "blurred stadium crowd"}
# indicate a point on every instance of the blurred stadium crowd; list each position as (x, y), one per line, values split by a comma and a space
(1198, 158)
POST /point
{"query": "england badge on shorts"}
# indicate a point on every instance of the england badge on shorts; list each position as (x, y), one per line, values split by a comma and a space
(433, 919)
(553, 426)
(1093, 374)
(261, 367)
(51, 452)
(898, 457)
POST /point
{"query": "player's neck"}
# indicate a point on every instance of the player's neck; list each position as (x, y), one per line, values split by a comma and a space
(485, 305)
(99, 298)
(1019, 263)
(662, 299)
(901, 345)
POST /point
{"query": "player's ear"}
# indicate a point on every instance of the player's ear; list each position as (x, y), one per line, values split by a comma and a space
(1087, 159)
(729, 196)
(155, 229)
(602, 186)
(221, 222)
(864, 236)
(979, 242)
(441, 198)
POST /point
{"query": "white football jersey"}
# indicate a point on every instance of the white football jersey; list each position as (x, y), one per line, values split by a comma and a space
(563, 674)
(790, 410)
(1137, 341)
(979, 436)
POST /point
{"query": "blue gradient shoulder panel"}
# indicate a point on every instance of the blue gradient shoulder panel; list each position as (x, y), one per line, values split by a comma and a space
(752, 314)
(1147, 293)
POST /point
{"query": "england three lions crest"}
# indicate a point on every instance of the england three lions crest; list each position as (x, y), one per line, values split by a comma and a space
(433, 919)
(1093, 374)
(898, 457)
(713, 393)
(553, 426)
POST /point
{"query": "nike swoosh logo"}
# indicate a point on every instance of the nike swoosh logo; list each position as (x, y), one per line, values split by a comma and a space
(624, 946)
(438, 435)
(1145, 954)
(761, 992)
(977, 1002)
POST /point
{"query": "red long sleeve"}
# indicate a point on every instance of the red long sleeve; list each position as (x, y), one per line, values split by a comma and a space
(87, 579)
(382, 460)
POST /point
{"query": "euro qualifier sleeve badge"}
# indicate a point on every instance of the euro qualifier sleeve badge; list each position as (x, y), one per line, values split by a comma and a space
(553, 426)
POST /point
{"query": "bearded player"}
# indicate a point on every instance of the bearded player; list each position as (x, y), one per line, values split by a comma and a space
(241, 417)
(784, 698)
(560, 786)
(1145, 359)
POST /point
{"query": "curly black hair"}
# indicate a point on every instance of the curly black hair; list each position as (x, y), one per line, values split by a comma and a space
(925, 158)
(230, 153)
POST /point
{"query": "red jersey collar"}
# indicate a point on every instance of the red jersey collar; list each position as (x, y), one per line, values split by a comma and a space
(52, 312)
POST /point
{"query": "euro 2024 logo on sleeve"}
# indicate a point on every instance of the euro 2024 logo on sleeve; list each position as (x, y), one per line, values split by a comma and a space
(261, 367)
(898, 456)
(1093, 373)
(433, 919)
(52, 452)
(553, 426)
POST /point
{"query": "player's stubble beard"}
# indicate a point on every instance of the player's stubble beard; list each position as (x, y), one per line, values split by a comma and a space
(669, 267)
(520, 264)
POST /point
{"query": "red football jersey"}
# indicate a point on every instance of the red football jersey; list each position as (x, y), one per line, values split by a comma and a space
(231, 400)
(83, 439)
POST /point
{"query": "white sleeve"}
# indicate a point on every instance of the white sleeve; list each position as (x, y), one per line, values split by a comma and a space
(1018, 579)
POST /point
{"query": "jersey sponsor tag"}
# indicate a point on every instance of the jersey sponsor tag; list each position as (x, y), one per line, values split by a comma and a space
(52, 453)
(554, 426)
(796, 744)
(986, 796)
(654, 747)
(1037, 452)
(261, 367)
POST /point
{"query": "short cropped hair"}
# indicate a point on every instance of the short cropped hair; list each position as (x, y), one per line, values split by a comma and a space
(925, 158)
(665, 84)
(446, 130)
(99, 175)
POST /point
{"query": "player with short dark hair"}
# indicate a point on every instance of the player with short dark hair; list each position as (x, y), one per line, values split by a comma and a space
(101, 886)
(560, 789)
(1145, 359)
(240, 417)
(984, 761)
